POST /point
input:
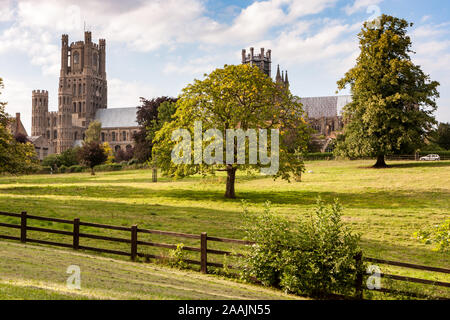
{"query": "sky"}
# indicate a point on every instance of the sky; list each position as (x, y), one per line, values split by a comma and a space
(156, 48)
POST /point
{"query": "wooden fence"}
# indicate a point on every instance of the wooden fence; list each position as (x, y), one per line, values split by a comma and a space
(203, 250)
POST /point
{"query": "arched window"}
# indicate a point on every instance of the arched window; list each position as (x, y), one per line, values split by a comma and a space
(75, 135)
(113, 136)
(124, 136)
(103, 137)
(116, 148)
(48, 134)
(79, 107)
(55, 134)
(74, 107)
(76, 57)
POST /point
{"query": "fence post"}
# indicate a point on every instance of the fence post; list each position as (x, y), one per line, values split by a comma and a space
(204, 252)
(76, 233)
(359, 277)
(23, 227)
(133, 242)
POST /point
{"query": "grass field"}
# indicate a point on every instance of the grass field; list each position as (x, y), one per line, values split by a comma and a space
(386, 205)
(27, 275)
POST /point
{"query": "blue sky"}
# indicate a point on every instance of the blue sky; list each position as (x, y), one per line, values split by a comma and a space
(157, 47)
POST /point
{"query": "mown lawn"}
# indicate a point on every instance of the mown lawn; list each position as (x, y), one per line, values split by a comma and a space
(27, 275)
(385, 205)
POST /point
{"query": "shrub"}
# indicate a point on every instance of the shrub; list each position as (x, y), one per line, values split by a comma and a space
(177, 257)
(75, 168)
(63, 169)
(45, 170)
(51, 160)
(439, 236)
(315, 256)
(133, 161)
(109, 167)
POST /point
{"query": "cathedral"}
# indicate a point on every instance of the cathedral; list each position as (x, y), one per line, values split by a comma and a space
(322, 112)
(82, 98)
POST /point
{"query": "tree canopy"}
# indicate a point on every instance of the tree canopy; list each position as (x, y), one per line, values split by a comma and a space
(233, 97)
(93, 132)
(150, 116)
(15, 156)
(92, 154)
(393, 99)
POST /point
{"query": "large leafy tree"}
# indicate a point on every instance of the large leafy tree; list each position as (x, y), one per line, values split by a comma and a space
(92, 154)
(393, 99)
(15, 156)
(150, 116)
(441, 136)
(234, 97)
(93, 132)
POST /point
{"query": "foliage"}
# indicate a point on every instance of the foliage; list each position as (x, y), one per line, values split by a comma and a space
(441, 136)
(109, 167)
(92, 154)
(67, 158)
(151, 115)
(109, 152)
(315, 257)
(230, 98)
(15, 156)
(439, 236)
(273, 236)
(393, 99)
(75, 168)
(126, 155)
(92, 133)
(52, 160)
(177, 257)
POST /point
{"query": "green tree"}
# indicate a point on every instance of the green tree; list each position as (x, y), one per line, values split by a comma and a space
(441, 136)
(93, 132)
(234, 97)
(151, 115)
(15, 156)
(393, 99)
(92, 154)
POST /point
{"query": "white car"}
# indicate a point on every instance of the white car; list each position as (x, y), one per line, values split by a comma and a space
(430, 157)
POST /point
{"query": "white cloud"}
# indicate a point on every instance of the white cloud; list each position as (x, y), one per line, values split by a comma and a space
(122, 94)
(18, 96)
(6, 10)
(359, 5)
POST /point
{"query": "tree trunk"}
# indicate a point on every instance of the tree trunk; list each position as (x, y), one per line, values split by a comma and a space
(92, 171)
(231, 178)
(380, 162)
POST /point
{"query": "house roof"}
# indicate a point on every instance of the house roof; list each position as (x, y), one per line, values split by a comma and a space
(318, 107)
(117, 117)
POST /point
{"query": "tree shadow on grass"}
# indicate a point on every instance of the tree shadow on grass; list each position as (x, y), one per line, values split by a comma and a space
(420, 164)
(383, 199)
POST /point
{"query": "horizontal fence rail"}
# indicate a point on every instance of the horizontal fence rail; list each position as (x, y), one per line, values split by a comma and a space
(203, 250)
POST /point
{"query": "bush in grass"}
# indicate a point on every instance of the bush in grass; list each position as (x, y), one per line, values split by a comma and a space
(315, 256)
(109, 167)
(75, 168)
(439, 236)
(63, 169)
(272, 236)
(45, 169)
(177, 257)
